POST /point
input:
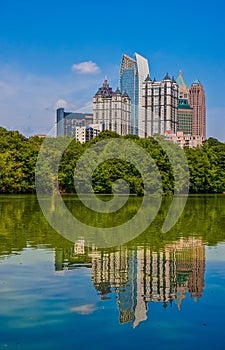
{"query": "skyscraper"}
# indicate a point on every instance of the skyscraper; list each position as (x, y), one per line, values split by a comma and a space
(133, 72)
(197, 101)
(112, 109)
(185, 111)
(160, 101)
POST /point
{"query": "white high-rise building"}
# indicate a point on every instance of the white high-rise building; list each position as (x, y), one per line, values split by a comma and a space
(112, 109)
(160, 103)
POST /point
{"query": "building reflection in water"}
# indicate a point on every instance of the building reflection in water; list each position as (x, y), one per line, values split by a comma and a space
(139, 275)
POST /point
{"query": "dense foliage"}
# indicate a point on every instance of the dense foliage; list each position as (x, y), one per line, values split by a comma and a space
(202, 218)
(18, 156)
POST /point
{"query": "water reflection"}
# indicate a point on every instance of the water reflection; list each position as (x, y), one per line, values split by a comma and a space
(21, 221)
(140, 275)
(152, 268)
(51, 288)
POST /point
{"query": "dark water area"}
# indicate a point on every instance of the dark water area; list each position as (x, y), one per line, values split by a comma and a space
(161, 290)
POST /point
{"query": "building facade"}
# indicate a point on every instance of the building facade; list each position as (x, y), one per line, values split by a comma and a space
(184, 140)
(197, 101)
(77, 125)
(93, 130)
(185, 111)
(80, 133)
(133, 72)
(160, 103)
(113, 109)
(66, 122)
(184, 117)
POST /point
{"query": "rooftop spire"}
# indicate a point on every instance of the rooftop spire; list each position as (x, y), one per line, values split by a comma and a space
(167, 77)
(105, 84)
(180, 79)
(148, 78)
(105, 90)
(117, 92)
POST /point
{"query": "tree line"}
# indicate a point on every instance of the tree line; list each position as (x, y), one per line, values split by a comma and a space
(18, 157)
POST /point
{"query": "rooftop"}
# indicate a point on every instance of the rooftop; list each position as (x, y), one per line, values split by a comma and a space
(74, 115)
(183, 104)
(196, 82)
(180, 80)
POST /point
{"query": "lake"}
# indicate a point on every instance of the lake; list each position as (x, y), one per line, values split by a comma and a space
(159, 290)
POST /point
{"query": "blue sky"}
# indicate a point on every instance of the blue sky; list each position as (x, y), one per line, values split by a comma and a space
(44, 46)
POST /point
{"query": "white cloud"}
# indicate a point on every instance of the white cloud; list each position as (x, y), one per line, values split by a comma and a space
(61, 103)
(28, 101)
(88, 67)
(86, 309)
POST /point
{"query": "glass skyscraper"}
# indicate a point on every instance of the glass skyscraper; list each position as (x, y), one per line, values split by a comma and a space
(133, 73)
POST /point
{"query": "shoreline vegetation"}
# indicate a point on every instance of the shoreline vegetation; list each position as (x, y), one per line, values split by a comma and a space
(18, 157)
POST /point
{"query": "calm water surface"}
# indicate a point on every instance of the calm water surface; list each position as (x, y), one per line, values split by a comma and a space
(162, 291)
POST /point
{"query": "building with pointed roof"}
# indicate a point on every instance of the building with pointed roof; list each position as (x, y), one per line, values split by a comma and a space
(105, 89)
(183, 88)
(148, 78)
(113, 109)
(191, 108)
(180, 80)
(185, 111)
(167, 77)
(160, 102)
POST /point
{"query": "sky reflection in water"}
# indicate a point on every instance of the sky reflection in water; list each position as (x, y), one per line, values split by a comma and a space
(162, 291)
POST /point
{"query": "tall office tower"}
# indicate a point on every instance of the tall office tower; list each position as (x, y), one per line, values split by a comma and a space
(133, 72)
(112, 109)
(185, 111)
(197, 101)
(160, 101)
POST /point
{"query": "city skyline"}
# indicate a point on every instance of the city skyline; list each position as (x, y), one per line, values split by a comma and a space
(145, 108)
(44, 65)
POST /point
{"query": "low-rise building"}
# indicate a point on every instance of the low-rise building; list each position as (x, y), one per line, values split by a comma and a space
(184, 140)
(66, 122)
